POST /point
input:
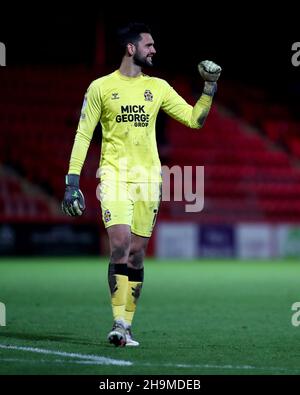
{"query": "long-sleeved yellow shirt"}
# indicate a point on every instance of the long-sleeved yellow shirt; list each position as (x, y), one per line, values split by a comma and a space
(127, 109)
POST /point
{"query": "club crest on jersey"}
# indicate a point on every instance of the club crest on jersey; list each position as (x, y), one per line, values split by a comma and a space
(115, 96)
(107, 216)
(148, 95)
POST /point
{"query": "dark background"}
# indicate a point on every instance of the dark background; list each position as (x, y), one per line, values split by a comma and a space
(251, 42)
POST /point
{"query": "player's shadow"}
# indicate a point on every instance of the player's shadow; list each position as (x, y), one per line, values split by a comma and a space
(59, 337)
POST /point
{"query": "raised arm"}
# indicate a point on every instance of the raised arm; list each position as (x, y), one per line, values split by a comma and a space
(194, 117)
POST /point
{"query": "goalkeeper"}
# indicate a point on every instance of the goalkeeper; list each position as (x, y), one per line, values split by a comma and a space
(126, 103)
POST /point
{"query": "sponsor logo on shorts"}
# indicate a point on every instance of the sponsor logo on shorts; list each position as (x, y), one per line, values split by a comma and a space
(107, 216)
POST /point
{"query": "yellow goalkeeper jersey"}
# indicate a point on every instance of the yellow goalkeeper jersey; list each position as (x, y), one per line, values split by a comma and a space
(127, 109)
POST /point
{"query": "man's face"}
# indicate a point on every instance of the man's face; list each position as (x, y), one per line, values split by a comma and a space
(144, 51)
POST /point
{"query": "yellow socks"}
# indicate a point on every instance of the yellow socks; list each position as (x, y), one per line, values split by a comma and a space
(135, 283)
(125, 288)
(118, 284)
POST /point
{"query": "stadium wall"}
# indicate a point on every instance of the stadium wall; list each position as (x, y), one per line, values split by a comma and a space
(49, 239)
(170, 240)
(243, 241)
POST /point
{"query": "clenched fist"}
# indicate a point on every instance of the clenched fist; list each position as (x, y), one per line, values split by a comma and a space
(209, 70)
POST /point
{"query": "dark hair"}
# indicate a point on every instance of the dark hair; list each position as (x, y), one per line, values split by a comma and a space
(131, 33)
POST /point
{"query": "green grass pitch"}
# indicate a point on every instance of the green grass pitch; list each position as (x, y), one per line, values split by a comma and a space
(203, 317)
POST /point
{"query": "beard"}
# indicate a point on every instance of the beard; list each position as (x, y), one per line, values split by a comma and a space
(142, 61)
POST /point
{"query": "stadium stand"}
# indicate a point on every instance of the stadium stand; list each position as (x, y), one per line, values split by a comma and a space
(41, 111)
(20, 200)
(249, 174)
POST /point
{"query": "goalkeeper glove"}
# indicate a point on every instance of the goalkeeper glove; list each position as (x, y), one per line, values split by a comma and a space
(73, 203)
(210, 72)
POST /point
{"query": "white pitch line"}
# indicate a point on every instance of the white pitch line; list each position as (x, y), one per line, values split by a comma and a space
(99, 360)
(230, 367)
(89, 359)
(49, 361)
